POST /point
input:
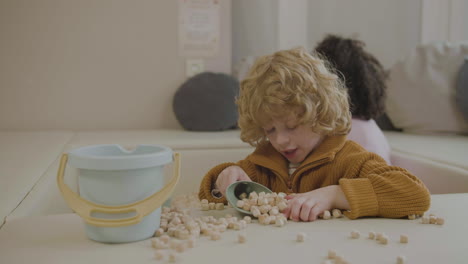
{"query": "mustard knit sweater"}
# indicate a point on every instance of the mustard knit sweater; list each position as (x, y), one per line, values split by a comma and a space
(371, 187)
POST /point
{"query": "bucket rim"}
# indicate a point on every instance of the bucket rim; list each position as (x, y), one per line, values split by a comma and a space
(84, 158)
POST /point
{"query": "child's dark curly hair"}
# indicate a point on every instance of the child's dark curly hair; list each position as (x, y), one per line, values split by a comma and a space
(363, 74)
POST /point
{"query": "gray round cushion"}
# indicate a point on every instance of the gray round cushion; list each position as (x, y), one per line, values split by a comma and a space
(206, 102)
(462, 89)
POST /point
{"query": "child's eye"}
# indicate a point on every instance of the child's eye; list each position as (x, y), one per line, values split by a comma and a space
(292, 127)
(270, 130)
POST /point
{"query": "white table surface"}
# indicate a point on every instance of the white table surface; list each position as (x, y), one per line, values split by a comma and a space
(61, 239)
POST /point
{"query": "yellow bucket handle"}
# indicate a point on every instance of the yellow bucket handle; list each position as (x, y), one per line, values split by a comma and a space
(84, 208)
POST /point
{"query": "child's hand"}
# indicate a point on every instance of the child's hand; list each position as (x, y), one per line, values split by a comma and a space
(308, 206)
(230, 175)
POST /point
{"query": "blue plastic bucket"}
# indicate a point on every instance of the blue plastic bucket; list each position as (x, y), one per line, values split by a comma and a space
(120, 191)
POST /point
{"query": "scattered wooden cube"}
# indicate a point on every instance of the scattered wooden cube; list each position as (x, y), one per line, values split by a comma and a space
(339, 260)
(215, 236)
(271, 220)
(265, 208)
(378, 236)
(255, 211)
(300, 237)
(191, 242)
(172, 257)
(173, 244)
(182, 234)
(180, 247)
(262, 201)
(159, 255)
(326, 215)
(247, 206)
(253, 195)
(212, 206)
(206, 231)
(159, 244)
(440, 221)
(355, 234)
(205, 207)
(384, 240)
(175, 221)
(282, 205)
(279, 222)
(159, 232)
(165, 238)
(242, 238)
(236, 226)
(262, 219)
(336, 213)
(242, 224)
(401, 260)
(403, 239)
(221, 228)
(274, 210)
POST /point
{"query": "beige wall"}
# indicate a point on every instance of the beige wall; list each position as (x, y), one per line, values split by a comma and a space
(94, 64)
(444, 20)
(391, 29)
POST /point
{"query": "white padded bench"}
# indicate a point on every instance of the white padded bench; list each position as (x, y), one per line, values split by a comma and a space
(24, 158)
(439, 161)
(199, 152)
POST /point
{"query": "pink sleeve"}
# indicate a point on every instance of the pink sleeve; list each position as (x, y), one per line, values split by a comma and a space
(367, 134)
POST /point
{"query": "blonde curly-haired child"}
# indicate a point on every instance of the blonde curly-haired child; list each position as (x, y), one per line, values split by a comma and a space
(295, 111)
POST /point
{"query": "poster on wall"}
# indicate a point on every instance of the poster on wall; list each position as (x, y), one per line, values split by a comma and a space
(199, 28)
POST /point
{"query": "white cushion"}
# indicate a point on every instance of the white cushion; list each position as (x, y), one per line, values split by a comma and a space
(421, 90)
(438, 177)
(448, 149)
(24, 158)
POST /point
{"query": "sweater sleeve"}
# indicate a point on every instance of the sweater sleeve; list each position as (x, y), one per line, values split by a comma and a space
(373, 188)
(209, 180)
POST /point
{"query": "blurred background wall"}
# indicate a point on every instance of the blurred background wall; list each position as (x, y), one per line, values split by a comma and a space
(390, 29)
(114, 64)
(94, 64)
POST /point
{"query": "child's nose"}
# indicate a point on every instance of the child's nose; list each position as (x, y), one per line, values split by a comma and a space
(282, 139)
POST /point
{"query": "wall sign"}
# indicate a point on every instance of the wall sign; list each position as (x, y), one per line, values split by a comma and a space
(199, 28)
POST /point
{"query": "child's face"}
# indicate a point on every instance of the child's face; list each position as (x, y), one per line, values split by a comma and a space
(293, 141)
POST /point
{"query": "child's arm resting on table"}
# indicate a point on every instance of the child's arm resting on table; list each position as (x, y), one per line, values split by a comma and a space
(372, 188)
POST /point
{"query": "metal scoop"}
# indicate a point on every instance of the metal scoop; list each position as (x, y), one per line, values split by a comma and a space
(234, 191)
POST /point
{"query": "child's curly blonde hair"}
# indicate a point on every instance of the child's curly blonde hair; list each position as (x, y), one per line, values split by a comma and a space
(292, 81)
